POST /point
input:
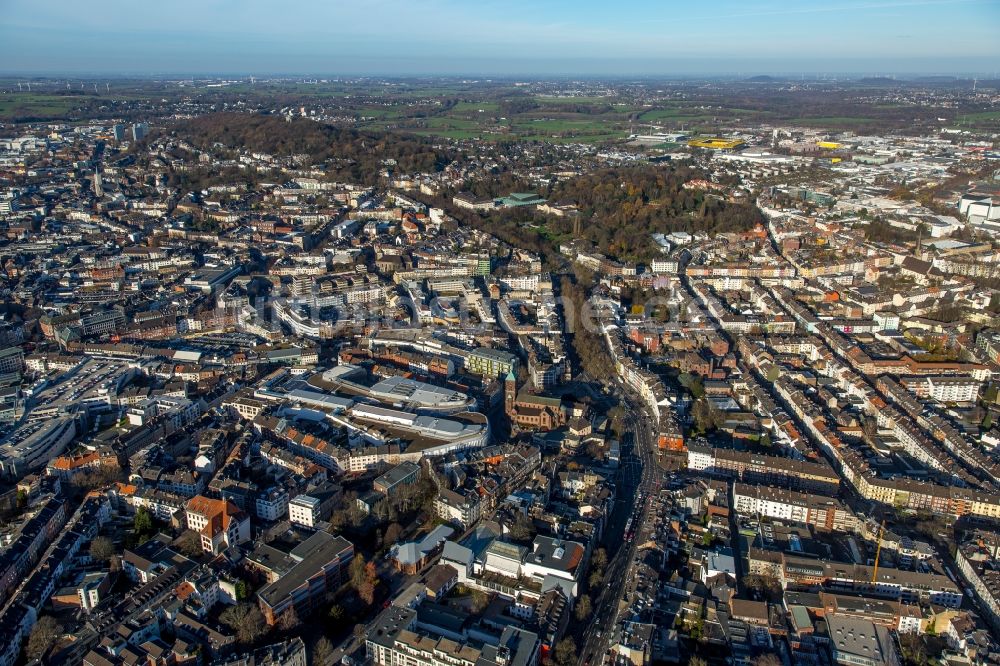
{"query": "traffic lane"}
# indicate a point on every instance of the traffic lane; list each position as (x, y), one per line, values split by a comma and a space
(602, 631)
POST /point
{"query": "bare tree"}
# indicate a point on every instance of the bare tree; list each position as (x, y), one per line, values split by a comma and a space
(98, 478)
(380, 510)
(392, 534)
(762, 586)
(367, 592)
(480, 600)
(246, 620)
(706, 415)
(189, 543)
(288, 620)
(322, 652)
(338, 519)
(43, 635)
(582, 611)
(595, 579)
(767, 659)
(565, 652)
(355, 514)
(102, 548)
(357, 571)
(364, 578)
(523, 529)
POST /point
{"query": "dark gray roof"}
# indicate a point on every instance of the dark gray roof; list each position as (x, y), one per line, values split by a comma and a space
(313, 554)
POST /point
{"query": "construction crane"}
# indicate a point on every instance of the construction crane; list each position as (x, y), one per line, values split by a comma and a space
(878, 551)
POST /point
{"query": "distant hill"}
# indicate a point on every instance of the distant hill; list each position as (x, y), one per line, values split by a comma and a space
(878, 80)
(762, 78)
(360, 155)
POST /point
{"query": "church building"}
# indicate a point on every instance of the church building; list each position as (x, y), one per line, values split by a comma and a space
(533, 412)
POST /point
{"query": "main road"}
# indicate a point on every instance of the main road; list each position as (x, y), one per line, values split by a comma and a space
(639, 481)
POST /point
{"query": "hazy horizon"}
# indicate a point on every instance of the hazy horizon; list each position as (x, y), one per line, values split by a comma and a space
(639, 38)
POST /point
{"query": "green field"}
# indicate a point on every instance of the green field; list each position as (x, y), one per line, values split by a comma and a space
(444, 122)
(548, 99)
(985, 119)
(986, 115)
(560, 125)
(452, 134)
(583, 138)
(490, 111)
(555, 121)
(38, 104)
(665, 114)
(487, 135)
(459, 110)
(381, 112)
(475, 107)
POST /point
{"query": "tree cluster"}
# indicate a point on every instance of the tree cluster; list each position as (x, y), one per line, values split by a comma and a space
(522, 530)
(588, 344)
(598, 563)
(102, 549)
(42, 637)
(143, 528)
(621, 207)
(364, 578)
(707, 417)
(763, 588)
(359, 156)
(881, 231)
(565, 653)
(246, 620)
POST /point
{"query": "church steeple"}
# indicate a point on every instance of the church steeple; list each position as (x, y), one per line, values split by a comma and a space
(509, 392)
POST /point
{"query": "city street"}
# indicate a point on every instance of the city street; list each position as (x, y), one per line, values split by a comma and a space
(639, 481)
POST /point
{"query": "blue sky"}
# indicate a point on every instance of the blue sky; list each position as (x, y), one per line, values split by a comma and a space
(494, 37)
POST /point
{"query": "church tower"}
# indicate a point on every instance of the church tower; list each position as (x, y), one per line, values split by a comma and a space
(509, 392)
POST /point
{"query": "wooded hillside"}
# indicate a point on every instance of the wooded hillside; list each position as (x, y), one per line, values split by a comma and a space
(356, 155)
(620, 208)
